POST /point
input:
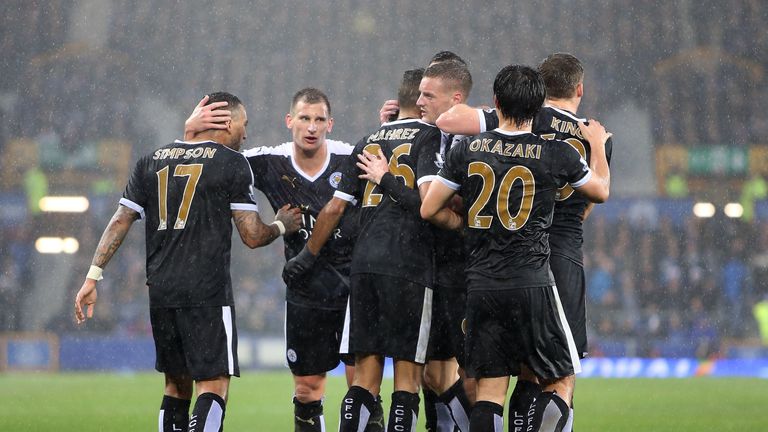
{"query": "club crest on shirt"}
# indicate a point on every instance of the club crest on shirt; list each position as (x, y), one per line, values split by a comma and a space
(334, 179)
(291, 354)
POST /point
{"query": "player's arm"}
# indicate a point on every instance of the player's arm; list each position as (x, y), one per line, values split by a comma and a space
(255, 233)
(460, 119)
(587, 211)
(375, 169)
(110, 242)
(433, 206)
(206, 117)
(598, 187)
(327, 220)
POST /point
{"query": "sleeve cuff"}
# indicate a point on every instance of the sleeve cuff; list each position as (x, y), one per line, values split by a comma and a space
(450, 184)
(583, 180)
(243, 206)
(133, 206)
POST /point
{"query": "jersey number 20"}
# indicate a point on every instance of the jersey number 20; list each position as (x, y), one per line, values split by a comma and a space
(508, 221)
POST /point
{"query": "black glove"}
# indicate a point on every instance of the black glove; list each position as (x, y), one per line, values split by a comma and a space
(298, 265)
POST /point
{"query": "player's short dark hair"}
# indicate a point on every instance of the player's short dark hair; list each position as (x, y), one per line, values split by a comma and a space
(444, 56)
(561, 72)
(233, 102)
(310, 95)
(453, 73)
(408, 93)
(519, 92)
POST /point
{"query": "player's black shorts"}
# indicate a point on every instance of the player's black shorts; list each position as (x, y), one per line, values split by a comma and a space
(446, 338)
(509, 327)
(197, 341)
(312, 337)
(388, 316)
(569, 279)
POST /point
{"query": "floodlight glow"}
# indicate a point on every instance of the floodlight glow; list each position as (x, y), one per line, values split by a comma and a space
(733, 210)
(70, 245)
(704, 210)
(57, 245)
(64, 204)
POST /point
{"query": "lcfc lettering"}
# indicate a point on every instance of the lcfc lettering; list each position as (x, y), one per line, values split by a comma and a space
(184, 153)
(531, 151)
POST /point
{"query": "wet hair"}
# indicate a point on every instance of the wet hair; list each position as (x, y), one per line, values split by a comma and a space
(408, 93)
(444, 56)
(519, 92)
(456, 75)
(561, 72)
(310, 95)
(233, 102)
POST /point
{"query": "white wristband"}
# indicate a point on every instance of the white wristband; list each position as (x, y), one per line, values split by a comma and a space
(280, 226)
(94, 273)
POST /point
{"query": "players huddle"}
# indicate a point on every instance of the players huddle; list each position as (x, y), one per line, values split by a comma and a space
(454, 251)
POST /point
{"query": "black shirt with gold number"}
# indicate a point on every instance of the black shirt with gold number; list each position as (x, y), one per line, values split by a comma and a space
(186, 193)
(508, 181)
(394, 240)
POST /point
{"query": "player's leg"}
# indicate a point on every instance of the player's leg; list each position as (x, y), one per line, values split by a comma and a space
(572, 291)
(526, 389)
(554, 362)
(210, 406)
(174, 409)
(312, 342)
(210, 342)
(404, 410)
(487, 414)
(361, 398)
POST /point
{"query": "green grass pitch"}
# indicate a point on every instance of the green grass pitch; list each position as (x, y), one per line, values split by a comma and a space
(261, 401)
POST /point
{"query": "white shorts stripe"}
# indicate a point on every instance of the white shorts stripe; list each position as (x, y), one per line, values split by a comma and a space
(568, 336)
(226, 316)
(160, 420)
(426, 322)
(344, 345)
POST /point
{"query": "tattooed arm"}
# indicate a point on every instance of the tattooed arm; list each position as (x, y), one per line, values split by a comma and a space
(111, 240)
(255, 233)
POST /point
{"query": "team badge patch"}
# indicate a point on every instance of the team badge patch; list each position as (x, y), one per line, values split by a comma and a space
(291, 354)
(335, 179)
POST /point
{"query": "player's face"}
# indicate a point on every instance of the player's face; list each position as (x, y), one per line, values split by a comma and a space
(237, 129)
(435, 99)
(309, 123)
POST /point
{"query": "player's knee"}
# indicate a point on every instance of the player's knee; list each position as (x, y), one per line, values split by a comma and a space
(309, 388)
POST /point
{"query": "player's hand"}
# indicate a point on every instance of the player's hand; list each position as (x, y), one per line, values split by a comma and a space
(374, 166)
(86, 297)
(389, 111)
(594, 132)
(290, 217)
(206, 117)
(297, 266)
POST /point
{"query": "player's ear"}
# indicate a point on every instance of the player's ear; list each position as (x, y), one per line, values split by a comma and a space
(330, 124)
(288, 121)
(580, 89)
(495, 103)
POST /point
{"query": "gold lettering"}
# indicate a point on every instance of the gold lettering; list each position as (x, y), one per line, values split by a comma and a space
(474, 145)
(496, 147)
(518, 151)
(396, 135)
(530, 151)
(209, 152)
(484, 147)
(412, 134)
(157, 154)
(508, 149)
(555, 124)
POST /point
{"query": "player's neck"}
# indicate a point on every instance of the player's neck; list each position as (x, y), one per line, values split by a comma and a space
(570, 105)
(509, 125)
(311, 162)
(409, 114)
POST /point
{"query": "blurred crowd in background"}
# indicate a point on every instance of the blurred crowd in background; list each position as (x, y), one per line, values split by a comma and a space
(67, 95)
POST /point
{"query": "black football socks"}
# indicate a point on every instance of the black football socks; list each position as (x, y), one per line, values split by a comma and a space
(308, 417)
(459, 407)
(376, 420)
(404, 411)
(208, 414)
(521, 403)
(174, 414)
(551, 413)
(356, 409)
(487, 417)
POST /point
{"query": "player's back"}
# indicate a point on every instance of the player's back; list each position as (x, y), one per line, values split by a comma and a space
(394, 240)
(508, 187)
(566, 233)
(186, 193)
